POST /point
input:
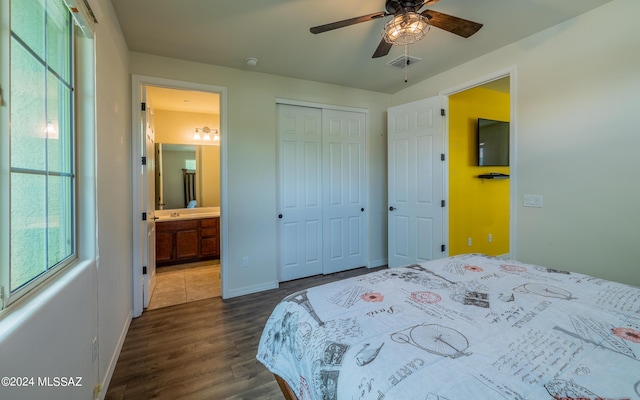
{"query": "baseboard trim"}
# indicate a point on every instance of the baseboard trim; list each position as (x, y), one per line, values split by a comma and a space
(114, 358)
(251, 289)
(378, 263)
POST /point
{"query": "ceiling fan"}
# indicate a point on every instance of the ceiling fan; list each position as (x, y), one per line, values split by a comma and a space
(400, 9)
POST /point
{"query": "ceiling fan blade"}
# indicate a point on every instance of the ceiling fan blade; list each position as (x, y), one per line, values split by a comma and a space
(347, 22)
(382, 50)
(459, 26)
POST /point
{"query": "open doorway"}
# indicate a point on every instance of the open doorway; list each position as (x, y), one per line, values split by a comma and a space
(481, 192)
(179, 192)
(186, 126)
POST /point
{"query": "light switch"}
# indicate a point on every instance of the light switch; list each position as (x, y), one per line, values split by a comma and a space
(532, 200)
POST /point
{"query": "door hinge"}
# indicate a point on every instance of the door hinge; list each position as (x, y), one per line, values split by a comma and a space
(1, 297)
(442, 157)
(443, 248)
(442, 112)
(442, 203)
(143, 106)
(144, 270)
(144, 160)
(144, 216)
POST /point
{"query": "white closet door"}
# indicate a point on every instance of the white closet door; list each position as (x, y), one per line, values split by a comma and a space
(343, 154)
(299, 192)
(416, 182)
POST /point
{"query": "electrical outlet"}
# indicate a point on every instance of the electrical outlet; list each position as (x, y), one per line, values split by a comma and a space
(469, 242)
(532, 200)
(490, 238)
(245, 262)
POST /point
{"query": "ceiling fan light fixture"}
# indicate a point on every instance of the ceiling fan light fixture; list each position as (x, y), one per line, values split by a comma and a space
(405, 28)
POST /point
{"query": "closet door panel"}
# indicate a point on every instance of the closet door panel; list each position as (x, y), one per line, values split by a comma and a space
(344, 211)
(299, 192)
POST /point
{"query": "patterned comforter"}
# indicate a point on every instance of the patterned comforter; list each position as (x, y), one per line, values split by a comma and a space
(464, 327)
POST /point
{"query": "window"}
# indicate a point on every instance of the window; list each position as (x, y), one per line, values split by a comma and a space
(40, 203)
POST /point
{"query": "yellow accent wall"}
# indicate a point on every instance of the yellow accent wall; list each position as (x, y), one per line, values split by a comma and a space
(477, 207)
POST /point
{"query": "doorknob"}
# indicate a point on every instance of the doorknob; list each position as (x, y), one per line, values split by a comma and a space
(392, 208)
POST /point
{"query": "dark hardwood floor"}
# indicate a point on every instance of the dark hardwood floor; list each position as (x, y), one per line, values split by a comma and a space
(204, 349)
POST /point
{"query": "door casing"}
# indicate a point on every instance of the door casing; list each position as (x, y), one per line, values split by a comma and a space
(511, 73)
(137, 82)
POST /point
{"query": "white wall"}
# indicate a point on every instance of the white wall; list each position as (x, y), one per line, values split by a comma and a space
(114, 189)
(50, 333)
(251, 147)
(578, 139)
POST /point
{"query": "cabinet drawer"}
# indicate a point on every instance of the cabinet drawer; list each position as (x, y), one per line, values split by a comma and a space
(176, 225)
(209, 223)
(208, 232)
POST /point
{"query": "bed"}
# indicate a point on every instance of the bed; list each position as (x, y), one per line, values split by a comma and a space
(464, 327)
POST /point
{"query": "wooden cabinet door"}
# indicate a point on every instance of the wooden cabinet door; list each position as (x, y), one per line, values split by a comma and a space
(209, 247)
(187, 244)
(164, 246)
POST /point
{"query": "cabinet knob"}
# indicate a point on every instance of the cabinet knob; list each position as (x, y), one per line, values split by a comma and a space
(392, 208)
(280, 216)
(362, 209)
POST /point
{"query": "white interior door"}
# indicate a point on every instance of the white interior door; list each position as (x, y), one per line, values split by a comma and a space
(149, 203)
(344, 194)
(416, 182)
(300, 191)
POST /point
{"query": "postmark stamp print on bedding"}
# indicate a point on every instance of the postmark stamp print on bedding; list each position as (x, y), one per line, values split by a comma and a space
(426, 297)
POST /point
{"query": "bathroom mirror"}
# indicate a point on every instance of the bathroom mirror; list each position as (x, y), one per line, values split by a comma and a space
(191, 168)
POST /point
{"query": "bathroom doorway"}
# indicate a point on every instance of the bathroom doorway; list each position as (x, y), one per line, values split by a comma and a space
(187, 125)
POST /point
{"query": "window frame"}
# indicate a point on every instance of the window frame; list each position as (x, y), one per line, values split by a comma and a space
(81, 155)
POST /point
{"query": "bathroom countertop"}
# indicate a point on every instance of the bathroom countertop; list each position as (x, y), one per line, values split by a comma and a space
(186, 214)
(182, 217)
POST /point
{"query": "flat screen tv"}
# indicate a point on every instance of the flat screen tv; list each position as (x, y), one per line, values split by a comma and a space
(493, 143)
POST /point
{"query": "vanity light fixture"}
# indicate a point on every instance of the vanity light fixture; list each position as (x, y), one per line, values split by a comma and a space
(207, 134)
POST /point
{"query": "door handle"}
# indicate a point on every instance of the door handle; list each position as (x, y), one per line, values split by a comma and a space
(156, 218)
(392, 208)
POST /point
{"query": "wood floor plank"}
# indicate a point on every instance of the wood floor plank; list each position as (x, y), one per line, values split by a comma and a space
(203, 349)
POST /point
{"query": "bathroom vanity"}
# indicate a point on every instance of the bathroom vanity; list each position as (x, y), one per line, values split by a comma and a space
(184, 238)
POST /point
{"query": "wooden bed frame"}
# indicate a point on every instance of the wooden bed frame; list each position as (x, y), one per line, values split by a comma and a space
(286, 390)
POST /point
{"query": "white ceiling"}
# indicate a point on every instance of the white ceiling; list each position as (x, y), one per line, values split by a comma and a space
(276, 32)
(183, 100)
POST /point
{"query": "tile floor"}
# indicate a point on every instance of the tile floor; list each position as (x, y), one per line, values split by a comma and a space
(178, 284)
